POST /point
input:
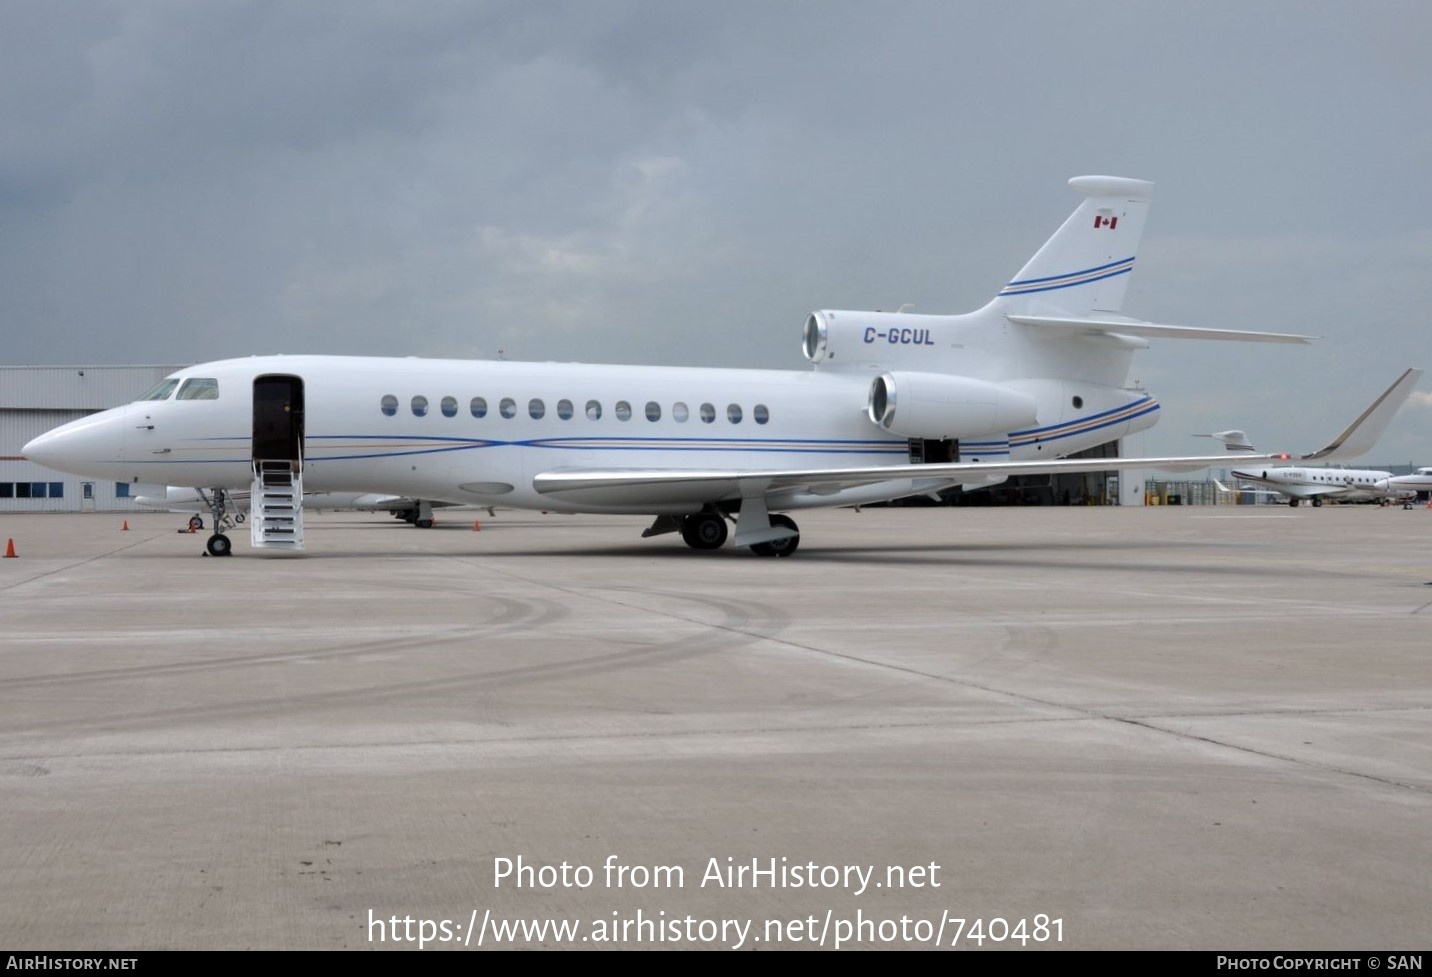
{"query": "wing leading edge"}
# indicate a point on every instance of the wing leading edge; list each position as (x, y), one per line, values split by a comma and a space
(675, 487)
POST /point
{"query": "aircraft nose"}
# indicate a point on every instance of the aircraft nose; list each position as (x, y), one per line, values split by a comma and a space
(79, 446)
(44, 449)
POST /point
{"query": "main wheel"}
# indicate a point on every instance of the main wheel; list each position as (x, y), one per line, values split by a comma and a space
(704, 531)
(219, 545)
(779, 547)
(196, 523)
(423, 523)
(1317, 503)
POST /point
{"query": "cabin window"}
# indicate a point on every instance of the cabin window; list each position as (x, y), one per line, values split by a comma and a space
(478, 407)
(708, 413)
(536, 409)
(161, 390)
(564, 409)
(594, 410)
(507, 408)
(199, 388)
(653, 411)
(679, 412)
(759, 414)
(733, 413)
(623, 411)
(388, 405)
(420, 406)
(449, 407)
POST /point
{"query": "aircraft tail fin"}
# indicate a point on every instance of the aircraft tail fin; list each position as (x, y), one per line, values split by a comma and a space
(1232, 440)
(1085, 266)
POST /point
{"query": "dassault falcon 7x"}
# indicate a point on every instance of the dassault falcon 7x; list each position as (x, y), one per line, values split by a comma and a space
(893, 405)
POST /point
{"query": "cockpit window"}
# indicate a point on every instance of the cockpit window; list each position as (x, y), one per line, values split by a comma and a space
(161, 390)
(199, 388)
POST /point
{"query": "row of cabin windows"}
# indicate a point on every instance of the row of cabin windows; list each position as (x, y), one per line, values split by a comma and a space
(566, 410)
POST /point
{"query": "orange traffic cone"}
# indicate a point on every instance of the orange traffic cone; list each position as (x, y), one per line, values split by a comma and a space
(10, 549)
(475, 527)
(125, 527)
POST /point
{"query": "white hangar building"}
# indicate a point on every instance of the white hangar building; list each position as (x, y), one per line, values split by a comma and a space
(34, 399)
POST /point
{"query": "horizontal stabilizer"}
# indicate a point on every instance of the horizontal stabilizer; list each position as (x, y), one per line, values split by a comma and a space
(1120, 326)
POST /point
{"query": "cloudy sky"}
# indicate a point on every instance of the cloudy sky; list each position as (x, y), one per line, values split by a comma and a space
(681, 182)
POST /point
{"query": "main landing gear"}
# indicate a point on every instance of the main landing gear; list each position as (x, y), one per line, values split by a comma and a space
(420, 515)
(779, 547)
(708, 531)
(704, 531)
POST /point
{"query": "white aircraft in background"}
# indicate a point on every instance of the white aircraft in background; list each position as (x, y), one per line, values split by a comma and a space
(895, 404)
(176, 498)
(1346, 484)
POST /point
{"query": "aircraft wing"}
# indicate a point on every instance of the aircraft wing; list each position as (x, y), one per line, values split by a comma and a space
(390, 503)
(675, 487)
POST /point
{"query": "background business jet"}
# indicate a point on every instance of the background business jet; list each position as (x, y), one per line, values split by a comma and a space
(1313, 485)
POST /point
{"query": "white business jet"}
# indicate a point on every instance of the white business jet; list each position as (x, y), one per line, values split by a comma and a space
(893, 405)
(1313, 485)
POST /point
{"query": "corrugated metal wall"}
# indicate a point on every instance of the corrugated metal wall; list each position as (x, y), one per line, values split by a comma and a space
(87, 388)
(37, 398)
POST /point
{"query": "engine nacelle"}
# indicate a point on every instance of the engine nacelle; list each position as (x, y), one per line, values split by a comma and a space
(849, 337)
(938, 406)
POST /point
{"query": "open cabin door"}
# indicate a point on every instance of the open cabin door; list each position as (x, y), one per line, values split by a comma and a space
(276, 502)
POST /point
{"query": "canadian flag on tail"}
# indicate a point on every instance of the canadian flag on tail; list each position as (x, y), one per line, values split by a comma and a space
(1101, 220)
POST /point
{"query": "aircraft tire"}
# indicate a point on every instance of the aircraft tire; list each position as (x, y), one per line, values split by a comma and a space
(780, 547)
(423, 523)
(1292, 503)
(1317, 503)
(219, 545)
(196, 523)
(704, 531)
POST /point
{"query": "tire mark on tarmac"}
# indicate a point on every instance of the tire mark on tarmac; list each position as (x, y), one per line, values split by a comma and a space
(727, 633)
(515, 615)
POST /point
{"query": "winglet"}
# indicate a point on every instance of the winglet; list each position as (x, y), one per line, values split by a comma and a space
(1362, 434)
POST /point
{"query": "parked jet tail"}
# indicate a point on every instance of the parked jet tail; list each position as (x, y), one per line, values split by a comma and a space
(1085, 266)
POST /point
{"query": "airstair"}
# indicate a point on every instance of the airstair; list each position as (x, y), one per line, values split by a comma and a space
(276, 506)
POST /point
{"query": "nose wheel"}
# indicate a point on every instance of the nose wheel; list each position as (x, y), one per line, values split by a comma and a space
(218, 544)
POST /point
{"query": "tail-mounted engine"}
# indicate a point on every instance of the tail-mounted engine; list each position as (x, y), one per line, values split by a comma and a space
(851, 338)
(941, 406)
